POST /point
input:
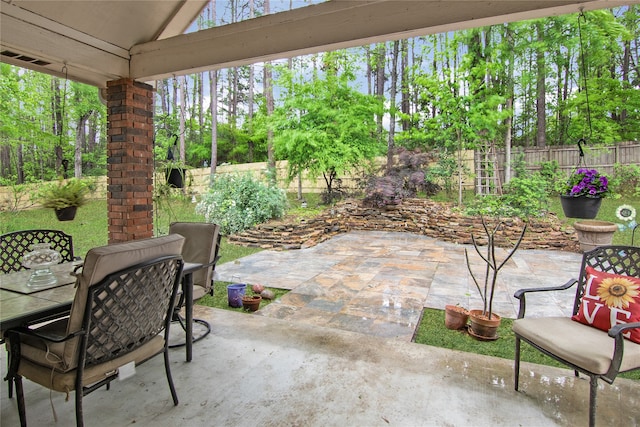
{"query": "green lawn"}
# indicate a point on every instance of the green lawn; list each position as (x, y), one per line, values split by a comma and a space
(432, 331)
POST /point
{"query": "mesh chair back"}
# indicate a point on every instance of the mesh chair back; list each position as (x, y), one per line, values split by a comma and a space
(129, 308)
(624, 260)
(105, 260)
(14, 245)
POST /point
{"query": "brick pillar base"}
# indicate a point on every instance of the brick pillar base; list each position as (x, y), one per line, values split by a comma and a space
(129, 160)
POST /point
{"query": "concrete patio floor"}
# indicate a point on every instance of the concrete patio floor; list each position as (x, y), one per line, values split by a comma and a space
(311, 361)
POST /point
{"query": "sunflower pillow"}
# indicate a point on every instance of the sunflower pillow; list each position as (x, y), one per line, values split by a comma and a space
(610, 299)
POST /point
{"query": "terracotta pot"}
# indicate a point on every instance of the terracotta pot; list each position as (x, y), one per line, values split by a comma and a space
(251, 303)
(592, 234)
(66, 214)
(482, 327)
(580, 207)
(455, 317)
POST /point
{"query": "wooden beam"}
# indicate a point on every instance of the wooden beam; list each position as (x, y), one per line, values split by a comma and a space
(333, 25)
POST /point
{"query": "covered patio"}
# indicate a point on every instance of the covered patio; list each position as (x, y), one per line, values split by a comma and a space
(302, 361)
(257, 369)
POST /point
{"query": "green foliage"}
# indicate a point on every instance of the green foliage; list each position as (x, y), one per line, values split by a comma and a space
(444, 171)
(63, 194)
(237, 202)
(523, 197)
(626, 180)
(324, 126)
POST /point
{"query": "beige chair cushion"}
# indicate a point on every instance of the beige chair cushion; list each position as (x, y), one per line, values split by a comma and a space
(199, 247)
(582, 345)
(99, 263)
(65, 381)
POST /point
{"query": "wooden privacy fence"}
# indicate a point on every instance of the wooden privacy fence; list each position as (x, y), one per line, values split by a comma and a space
(602, 158)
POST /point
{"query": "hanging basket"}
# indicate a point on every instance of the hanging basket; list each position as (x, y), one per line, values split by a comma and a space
(580, 207)
(66, 214)
(175, 177)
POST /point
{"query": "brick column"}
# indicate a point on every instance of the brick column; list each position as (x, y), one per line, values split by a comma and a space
(129, 160)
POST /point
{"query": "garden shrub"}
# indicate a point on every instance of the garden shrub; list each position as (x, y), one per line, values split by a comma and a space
(523, 197)
(237, 202)
(626, 180)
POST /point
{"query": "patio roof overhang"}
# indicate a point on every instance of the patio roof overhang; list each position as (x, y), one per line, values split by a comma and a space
(100, 41)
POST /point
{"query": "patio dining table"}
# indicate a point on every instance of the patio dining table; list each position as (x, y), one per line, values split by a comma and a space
(21, 304)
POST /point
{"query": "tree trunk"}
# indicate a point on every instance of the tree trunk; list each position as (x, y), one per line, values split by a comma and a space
(213, 91)
(509, 103)
(268, 93)
(182, 113)
(380, 63)
(404, 73)
(541, 102)
(80, 145)
(392, 105)
(250, 142)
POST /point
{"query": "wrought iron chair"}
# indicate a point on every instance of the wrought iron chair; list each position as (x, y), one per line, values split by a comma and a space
(120, 315)
(597, 353)
(202, 246)
(15, 244)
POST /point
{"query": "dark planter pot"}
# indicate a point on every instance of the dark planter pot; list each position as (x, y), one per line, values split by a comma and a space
(580, 207)
(175, 177)
(66, 214)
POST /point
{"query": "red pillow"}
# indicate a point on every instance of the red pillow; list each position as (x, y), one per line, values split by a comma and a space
(610, 299)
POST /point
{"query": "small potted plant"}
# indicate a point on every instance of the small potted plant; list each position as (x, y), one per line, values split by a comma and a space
(484, 323)
(64, 197)
(583, 192)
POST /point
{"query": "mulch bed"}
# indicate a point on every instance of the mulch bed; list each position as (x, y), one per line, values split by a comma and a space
(420, 216)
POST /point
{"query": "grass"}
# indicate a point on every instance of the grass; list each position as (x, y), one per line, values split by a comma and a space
(607, 212)
(219, 298)
(431, 331)
(89, 228)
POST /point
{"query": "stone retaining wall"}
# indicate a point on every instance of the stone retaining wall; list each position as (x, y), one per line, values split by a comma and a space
(420, 216)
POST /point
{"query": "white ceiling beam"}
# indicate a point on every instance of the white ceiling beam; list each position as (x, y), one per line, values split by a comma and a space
(334, 25)
(51, 42)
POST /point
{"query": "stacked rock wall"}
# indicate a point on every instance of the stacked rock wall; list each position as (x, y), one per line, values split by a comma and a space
(420, 216)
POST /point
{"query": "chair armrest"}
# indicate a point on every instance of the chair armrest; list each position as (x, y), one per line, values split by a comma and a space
(23, 330)
(520, 294)
(621, 327)
(616, 333)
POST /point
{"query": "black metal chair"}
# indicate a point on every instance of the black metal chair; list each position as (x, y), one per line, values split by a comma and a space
(120, 315)
(14, 245)
(597, 353)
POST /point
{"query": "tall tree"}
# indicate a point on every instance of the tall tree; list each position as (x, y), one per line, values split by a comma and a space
(213, 90)
(541, 98)
(392, 105)
(268, 93)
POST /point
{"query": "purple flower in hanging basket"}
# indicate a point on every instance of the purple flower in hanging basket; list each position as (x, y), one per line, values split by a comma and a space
(588, 183)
